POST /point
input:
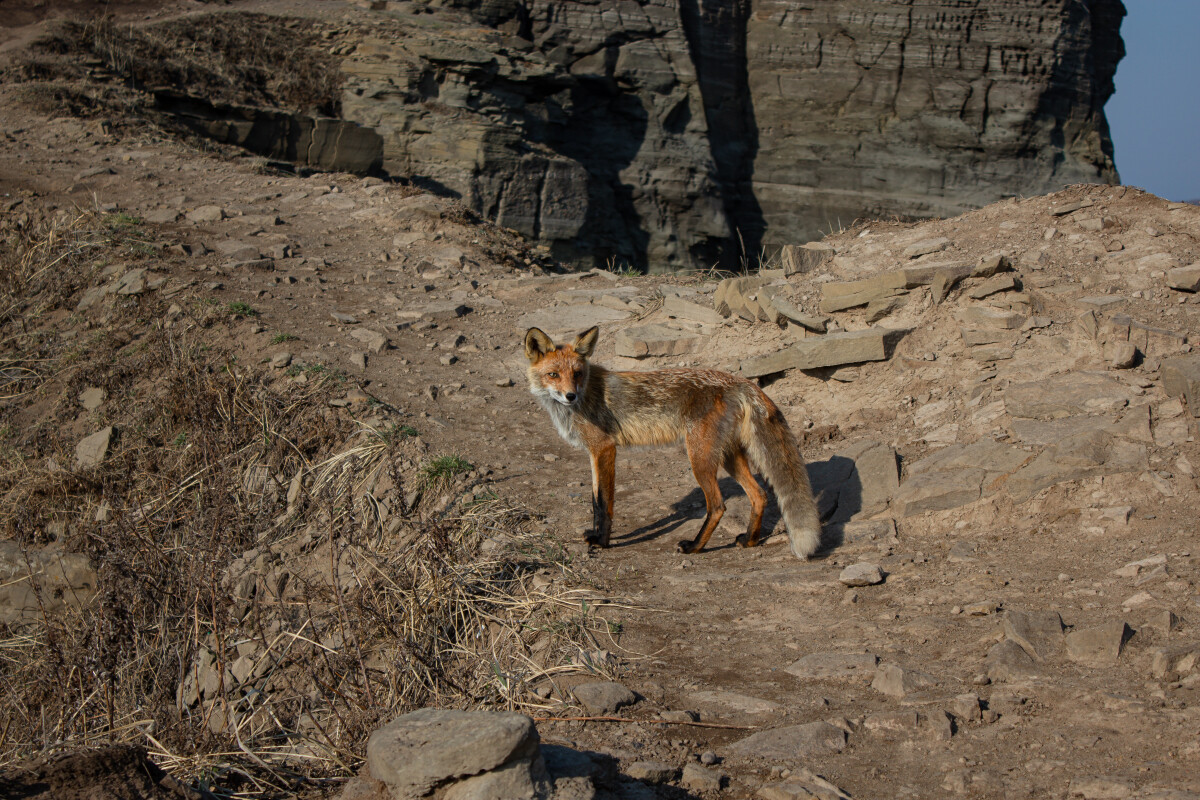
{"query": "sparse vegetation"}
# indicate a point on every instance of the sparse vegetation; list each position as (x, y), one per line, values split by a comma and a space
(319, 371)
(354, 605)
(227, 57)
(396, 432)
(240, 309)
(621, 268)
(280, 338)
(444, 469)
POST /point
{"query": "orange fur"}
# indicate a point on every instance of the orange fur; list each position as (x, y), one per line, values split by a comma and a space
(723, 420)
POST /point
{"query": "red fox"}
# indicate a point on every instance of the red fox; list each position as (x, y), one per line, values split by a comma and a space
(723, 420)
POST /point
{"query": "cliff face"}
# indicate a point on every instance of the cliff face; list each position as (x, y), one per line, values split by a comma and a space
(587, 130)
(683, 133)
(924, 108)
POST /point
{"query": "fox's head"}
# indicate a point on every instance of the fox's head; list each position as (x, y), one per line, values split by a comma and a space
(559, 372)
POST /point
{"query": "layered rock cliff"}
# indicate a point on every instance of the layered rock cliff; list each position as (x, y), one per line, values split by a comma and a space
(684, 133)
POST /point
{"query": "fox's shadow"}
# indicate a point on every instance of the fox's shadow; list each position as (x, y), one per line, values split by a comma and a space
(835, 486)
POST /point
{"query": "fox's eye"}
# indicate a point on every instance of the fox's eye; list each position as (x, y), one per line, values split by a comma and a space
(578, 374)
(551, 374)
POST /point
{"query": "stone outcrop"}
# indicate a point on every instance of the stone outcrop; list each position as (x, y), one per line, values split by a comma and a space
(479, 755)
(319, 142)
(683, 133)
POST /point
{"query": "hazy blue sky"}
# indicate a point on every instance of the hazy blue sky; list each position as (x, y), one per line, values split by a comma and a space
(1155, 113)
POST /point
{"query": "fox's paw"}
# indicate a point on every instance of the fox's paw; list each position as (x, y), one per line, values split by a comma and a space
(686, 546)
(743, 540)
(596, 540)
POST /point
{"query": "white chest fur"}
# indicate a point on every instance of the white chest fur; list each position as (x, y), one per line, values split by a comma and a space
(563, 419)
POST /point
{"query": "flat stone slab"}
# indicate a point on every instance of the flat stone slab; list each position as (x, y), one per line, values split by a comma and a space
(939, 491)
(803, 786)
(743, 703)
(132, 282)
(427, 748)
(1039, 633)
(859, 479)
(994, 318)
(848, 294)
(926, 274)
(92, 398)
(1181, 378)
(1101, 301)
(374, 341)
(1185, 279)
(1081, 456)
(572, 319)
(925, 247)
(793, 314)
(1003, 282)
(895, 681)
(1008, 661)
(834, 666)
(823, 351)
(66, 580)
(654, 772)
(793, 742)
(994, 458)
(91, 450)
(1134, 424)
(1100, 646)
(677, 307)
(1066, 395)
(623, 294)
(656, 340)
(1069, 208)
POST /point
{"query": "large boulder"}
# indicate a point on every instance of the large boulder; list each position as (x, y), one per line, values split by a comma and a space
(431, 748)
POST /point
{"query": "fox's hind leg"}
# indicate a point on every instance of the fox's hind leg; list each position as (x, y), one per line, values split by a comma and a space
(704, 467)
(737, 466)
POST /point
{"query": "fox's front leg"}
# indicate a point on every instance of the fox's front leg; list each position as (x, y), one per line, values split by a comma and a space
(604, 473)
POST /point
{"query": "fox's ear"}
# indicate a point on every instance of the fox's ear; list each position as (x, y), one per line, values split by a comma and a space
(537, 345)
(585, 342)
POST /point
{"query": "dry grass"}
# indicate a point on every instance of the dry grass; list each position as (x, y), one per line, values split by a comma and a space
(224, 57)
(251, 643)
(95, 66)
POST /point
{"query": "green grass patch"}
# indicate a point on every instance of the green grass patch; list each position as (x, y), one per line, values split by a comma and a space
(397, 432)
(121, 222)
(445, 468)
(239, 309)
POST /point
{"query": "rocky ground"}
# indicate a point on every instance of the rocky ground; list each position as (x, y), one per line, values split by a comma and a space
(999, 410)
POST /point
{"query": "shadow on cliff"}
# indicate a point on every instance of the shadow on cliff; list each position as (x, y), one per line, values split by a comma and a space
(716, 37)
(604, 131)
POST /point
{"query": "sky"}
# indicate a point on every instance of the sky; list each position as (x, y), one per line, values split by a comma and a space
(1154, 116)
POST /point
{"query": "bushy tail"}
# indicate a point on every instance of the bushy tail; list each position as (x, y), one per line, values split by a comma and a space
(773, 449)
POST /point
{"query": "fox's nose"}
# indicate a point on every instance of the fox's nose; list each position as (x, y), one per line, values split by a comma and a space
(570, 397)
